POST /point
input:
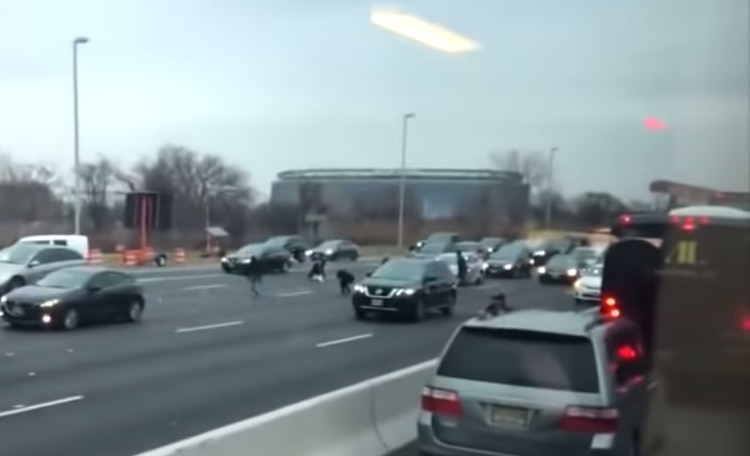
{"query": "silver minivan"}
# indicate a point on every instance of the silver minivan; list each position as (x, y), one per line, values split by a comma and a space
(541, 383)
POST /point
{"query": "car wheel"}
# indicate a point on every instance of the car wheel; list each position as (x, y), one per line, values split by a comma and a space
(418, 312)
(135, 311)
(70, 320)
(16, 282)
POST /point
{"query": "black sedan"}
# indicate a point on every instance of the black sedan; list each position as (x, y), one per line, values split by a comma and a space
(293, 244)
(560, 246)
(335, 250)
(270, 258)
(492, 244)
(511, 260)
(70, 297)
(406, 286)
(560, 269)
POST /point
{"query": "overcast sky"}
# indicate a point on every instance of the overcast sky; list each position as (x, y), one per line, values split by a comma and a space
(280, 84)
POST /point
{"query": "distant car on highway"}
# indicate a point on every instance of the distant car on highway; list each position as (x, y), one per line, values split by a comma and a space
(561, 269)
(271, 259)
(73, 296)
(552, 247)
(588, 288)
(432, 250)
(561, 380)
(25, 263)
(474, 267)
(444, 237)
(408, 287)
(76, 242)
(492, 243)
(335, 250)
(291, 243)
(510, 260)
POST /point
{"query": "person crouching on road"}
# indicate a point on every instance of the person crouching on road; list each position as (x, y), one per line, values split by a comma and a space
(254, 272)
(316, 271)
(346, 279)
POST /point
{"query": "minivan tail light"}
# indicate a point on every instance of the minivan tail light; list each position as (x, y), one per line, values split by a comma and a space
(592, 420)
(440, 402)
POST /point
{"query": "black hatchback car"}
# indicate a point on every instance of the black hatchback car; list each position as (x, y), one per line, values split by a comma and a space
(511, 260)
(271, 259)
(69, 297)
(406, 287)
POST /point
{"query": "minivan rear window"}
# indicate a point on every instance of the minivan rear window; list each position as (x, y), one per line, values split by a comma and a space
(522, 358)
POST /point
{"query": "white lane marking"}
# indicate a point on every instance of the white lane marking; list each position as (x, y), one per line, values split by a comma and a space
(205, 287)
(30, 408)
(207, 327)
(294, 293)
(164, 279)
(344, 340)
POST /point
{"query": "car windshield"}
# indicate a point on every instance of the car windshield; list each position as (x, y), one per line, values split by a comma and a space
(561, 261)
(277, 241)
(400, 270)
(433, 248)
(65, 278)
(522, 358)
(584, 254)
(440, 237)
(507, 252)
(18, 253)
(328, 245)
(490, 242)
(252, 249)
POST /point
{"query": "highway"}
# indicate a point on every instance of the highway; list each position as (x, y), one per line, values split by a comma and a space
(207, 354)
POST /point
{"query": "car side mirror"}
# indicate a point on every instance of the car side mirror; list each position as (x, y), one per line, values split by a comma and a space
(33, 263)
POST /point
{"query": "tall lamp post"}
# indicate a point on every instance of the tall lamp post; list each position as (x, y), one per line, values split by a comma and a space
(76, 152)
(550, 172)
(402, 179)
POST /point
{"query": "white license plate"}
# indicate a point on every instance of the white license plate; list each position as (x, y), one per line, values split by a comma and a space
(376, 302)
(509, 415)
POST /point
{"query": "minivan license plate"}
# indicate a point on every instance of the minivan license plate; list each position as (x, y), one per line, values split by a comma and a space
(377, 302)
(509, 415)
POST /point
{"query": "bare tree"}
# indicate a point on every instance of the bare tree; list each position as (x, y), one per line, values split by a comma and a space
(96, 179)
(533, 165)
(27, 192)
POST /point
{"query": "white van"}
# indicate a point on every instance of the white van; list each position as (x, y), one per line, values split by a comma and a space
(76, 242)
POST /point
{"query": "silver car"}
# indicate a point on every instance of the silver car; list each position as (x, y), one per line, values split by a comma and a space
(541, 383)
(22, 264)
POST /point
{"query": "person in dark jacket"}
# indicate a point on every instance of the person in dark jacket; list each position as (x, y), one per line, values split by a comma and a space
(462, 268)
(254, 273)
(346, 279)
(316, 271)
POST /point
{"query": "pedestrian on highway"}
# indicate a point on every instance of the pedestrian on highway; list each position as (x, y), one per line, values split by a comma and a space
(254, 272)
(316, 271)
(462, 268)
(346, 279)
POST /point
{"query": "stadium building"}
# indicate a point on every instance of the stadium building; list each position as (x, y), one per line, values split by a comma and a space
(479, 197)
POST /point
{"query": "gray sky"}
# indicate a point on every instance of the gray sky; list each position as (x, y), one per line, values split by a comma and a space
(281, 84)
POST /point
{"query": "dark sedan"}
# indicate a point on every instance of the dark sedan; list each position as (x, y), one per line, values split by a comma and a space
(511, 260)
(70, 297)
(432, 250)
(293, 244)
(270, 258)
(408, 287)
(560, 269)
(492, 244)
(335, 250)
(560, 246)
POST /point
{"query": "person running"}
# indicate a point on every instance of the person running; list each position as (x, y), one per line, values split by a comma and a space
(254, 273)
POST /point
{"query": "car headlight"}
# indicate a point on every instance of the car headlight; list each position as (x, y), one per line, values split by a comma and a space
(246, 260)
(508, 267)
(541, 270)
(50, 303)
(360, 288)
(308, 252)
(224, 259)
(540, 253)
(572, 272)
(4, 298)
(329, 252)
(405, 292)
(577, 284)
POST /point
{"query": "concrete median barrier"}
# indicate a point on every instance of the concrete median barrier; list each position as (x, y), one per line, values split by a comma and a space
(370, 418)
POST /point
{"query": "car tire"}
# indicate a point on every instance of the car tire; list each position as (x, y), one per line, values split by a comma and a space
(16, 282)
(135, 311)
(69, 321)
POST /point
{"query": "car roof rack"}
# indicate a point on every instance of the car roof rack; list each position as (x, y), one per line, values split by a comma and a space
(497, 307)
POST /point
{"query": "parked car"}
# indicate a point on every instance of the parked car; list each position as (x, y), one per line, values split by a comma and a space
(588, 288)
(335, 250)
(72, 296)
(511, 260)
(291, 243)
(272, 259)
(474, 267)
(25, 263)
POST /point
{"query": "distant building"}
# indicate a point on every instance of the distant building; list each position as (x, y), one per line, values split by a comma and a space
(478, 197)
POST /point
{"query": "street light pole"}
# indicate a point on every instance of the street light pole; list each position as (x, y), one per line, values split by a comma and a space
(550, 171)
(402, 179)
(76, 152)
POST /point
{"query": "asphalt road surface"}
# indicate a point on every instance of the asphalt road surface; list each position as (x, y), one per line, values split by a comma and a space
(207, 354)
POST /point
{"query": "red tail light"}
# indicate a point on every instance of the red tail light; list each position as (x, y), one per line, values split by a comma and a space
(624, 219)
(745, 324)
(609, 307)
(592, 420)
(626, 353)
(440, 402)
